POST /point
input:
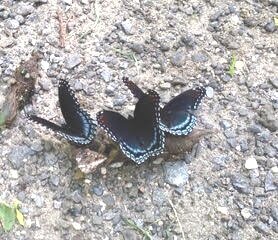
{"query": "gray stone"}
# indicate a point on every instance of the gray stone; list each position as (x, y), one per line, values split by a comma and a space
(270, 27)
(274, 82)
(97, 190)
(97, 220)
(274, 2)
(24, 9)
(119, 101)
(176, 173)
(232, 142)
(215, 16)
(127, 27)
(109, 200)
(188, 41)
(178, 58)
(268, 119)
(38, 199)
(73, 60)
(55, 180)
(225, 124)
(76, 196)
(130, 235)
(106, 75)
(270, 151)
(262, 228)
(17, 155)
(199, 57)
(274, 212)
(138, 48)
(220, 162)
(255, 128)
(12, 24)
(241, 183)
(270, 182)
(158, 196)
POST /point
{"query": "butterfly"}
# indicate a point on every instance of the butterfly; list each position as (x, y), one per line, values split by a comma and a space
(177, 115)
(79, 128)
(139, 136)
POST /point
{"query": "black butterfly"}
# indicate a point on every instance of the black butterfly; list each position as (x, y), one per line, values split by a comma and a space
(139, 136)
(176, 116)
(79, 127)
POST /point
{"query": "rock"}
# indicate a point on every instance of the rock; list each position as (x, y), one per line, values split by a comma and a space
(270, 151)
(251, 163)
(55, 180)
(158, 196)
(24, 9)
(17, 155)
(209, 92)
(106, 75)
(274, 82)
(12, 24)
(188, 41)
(215, 16)
(127, 27)
(165, 86)
(223, 210)
(97, 220)
(274, 212)
(270, 27)
(97, 190)
(220, 162)
(176, 173)
(262, 228)
(72, 61)
(178, 58)
(76, 226)
(138, 48)
(274, 169)
(245, 213)
(268, 119)
(117, 165)
(241, 183)
(199, 58)
(14, 174)
(130, 235)
(39, 201)
(225, 124)
(270, 182)
(108, 200)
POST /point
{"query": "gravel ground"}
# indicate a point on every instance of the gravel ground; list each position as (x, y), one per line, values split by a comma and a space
(225, 189)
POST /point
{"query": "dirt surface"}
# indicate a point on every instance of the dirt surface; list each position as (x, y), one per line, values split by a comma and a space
(226, 188)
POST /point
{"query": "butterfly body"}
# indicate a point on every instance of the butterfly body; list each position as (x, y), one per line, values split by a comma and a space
(78, 128)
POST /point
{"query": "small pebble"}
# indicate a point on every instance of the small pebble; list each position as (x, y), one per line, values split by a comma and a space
(209, 92)
(245, 213)
(251, 163)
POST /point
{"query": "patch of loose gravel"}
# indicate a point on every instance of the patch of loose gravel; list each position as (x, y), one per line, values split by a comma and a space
(225, 189)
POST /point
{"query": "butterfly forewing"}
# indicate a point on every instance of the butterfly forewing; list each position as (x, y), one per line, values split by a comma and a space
(79, 127)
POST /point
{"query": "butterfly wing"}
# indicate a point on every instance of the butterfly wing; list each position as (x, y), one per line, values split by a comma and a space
(135, 90)
(138, 137)
(177, 117)
(77, 120)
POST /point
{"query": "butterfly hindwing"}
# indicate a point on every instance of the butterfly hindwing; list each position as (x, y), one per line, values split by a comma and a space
(177, 117)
